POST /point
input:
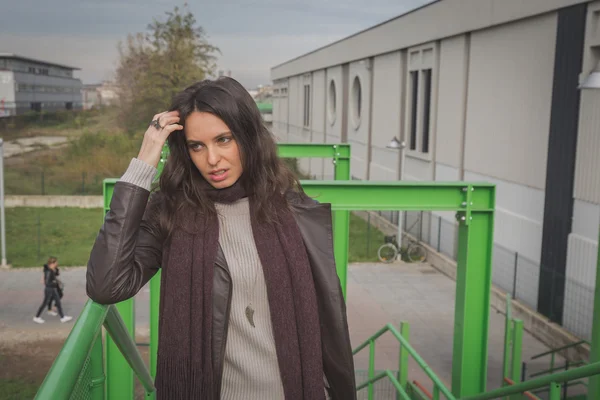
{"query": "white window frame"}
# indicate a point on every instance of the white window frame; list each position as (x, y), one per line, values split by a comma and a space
(307, 103)
(419, 60)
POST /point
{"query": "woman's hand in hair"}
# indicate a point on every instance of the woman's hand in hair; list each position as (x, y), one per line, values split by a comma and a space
(155, 137)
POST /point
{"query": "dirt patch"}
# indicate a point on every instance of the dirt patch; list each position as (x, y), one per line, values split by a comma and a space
(25, 365)
(26, 359)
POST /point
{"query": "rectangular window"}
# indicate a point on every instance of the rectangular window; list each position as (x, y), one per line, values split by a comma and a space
(426, 110)
(306, 105)
(414, 85)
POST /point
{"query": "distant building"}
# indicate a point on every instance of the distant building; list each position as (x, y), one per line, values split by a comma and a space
(27, 84)
(100, 95)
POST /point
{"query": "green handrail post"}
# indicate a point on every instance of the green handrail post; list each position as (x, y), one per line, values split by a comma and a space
(436, 392)
(97, 370)
(420, 362)
(341, 219)
(62, 377)
(403, 358)
(119, 332)
(155, 289)
(371, 391)
(516, 353)
(507, 339)
(594, 383)
(554, 391)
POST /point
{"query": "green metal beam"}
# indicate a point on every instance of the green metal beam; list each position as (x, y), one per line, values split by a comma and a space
(472, 306)
(119, 375)
(594, 384)
(398, 195)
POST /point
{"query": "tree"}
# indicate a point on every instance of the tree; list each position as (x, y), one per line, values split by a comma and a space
(156, 65)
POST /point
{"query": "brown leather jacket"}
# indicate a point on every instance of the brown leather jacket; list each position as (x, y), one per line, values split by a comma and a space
(128, 252)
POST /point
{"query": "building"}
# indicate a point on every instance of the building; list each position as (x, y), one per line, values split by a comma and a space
(485, 90)
(27, 84)
(104, 94)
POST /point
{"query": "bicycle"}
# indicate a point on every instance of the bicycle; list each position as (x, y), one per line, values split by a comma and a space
(388, 252)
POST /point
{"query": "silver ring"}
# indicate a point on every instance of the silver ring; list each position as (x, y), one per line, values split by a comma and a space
(156, 124)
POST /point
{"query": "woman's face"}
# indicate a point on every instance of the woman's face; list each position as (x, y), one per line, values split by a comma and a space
(213, 149)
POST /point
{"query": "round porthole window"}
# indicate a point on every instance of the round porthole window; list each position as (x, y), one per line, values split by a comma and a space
(331, 102)
(356, 102)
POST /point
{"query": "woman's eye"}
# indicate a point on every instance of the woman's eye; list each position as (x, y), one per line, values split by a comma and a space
(224, 140)
(195, 146)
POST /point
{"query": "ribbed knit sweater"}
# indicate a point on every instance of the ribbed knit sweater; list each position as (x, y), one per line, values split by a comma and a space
(250, 368)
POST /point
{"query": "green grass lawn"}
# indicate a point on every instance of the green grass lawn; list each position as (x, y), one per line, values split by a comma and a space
(364, 242)
(34, 234)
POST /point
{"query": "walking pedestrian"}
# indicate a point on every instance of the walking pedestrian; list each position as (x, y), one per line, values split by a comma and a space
(51, 286)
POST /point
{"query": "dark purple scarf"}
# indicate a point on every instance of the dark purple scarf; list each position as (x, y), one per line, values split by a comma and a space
(185, 364)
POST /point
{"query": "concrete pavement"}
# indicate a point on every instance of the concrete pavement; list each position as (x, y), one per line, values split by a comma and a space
(377, 294)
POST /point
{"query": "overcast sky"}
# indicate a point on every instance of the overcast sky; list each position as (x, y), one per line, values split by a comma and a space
(253, 35)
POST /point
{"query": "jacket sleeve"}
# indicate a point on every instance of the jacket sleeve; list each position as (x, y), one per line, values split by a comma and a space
(128, 248)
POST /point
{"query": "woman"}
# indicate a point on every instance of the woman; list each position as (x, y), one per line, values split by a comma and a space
(51, 285)
(251, 306)
(59, 289)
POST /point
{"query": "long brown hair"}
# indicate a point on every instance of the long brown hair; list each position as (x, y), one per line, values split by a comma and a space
(264, 174)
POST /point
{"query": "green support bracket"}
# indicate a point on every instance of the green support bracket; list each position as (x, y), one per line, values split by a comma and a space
(467, 204)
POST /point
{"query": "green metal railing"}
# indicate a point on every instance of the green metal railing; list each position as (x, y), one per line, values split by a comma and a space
(552, 353)
(553, 382)
(474, 205)
(400, 381)
(513, 346)
(78, 370)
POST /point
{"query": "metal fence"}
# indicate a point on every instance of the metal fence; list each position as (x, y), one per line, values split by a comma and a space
(51, 182)
(511, 271)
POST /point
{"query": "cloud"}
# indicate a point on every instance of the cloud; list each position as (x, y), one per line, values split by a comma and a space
(253, 36)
